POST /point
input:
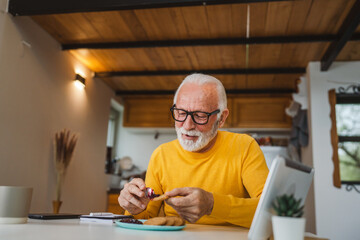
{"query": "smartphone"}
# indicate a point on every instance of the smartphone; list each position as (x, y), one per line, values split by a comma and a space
(49, 216)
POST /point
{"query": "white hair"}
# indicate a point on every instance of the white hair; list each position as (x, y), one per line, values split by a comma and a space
(202, 79)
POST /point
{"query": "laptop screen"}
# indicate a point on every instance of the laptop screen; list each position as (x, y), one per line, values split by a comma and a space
(285, 177)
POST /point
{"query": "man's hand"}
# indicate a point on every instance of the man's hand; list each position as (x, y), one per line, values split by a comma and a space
(194, 203)
(132, 198)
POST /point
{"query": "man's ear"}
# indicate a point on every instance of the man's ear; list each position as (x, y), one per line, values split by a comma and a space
(223, 117)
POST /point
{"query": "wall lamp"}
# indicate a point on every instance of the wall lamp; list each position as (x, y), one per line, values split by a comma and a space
(79, 81)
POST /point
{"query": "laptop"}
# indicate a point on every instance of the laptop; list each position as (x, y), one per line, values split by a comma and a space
(285, 177)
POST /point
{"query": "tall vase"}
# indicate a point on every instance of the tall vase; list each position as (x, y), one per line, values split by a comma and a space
(56, 206)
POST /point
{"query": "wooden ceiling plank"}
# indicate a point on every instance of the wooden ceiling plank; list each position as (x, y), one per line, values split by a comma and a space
(260, 81)
(299, 13)
(286, 81)
(226, 57)
(319, 23)
(89, 62)
(286, 58)
(270, 55)
(149, 22)
(169, 58)
(193, 58)
(124, 59)
(156, 58)
(238, 18)
(335, 14)
(347, 29)
(180, 24)
(110, 25)
(143, 60)
(219, 20)
(240, 55)
(350, 52)
(51, 22)
(230, 91)
(315, 51)
(196, 15)
(277, 18)
(134, 25)
(258, 15)
(205, 71)
(38, 7)
(239, 81)
(179, 58)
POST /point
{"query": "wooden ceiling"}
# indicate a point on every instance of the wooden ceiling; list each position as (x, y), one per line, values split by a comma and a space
(148, 47)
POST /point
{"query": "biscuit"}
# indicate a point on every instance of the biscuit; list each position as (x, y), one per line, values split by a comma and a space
(170, 221)
(156, 221)
(160, 198)
(177, 221)
(165, 221)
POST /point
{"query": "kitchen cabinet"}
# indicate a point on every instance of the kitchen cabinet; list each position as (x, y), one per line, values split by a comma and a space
(246, 111)
(148, 111)
(113, 204)
(260, 112)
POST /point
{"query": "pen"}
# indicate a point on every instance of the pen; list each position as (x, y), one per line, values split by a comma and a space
(101, 214)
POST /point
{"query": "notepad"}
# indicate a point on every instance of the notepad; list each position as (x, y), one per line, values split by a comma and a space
(103, 218)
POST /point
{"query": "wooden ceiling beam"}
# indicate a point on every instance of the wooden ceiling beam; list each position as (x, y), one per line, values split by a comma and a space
(347, 29)
(207, 42)
(234, 71)
(39, 7)
(230, 91)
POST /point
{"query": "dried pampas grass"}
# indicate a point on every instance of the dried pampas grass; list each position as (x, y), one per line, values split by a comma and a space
(64, 145)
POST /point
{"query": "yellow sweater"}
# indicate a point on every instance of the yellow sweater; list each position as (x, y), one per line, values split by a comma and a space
(234, 170)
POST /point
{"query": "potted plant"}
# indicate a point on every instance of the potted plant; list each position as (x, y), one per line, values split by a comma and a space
(64, 145)
(289, 223)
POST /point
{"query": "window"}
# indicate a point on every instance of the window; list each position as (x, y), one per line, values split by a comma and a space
(345, 115)
(113, 124)
(112, 127)
(348, 130)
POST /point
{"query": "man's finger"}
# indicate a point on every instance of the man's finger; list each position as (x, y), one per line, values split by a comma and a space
(179, 192)
(135, 190)
(179, 202)
(139, 183)
(134, 201)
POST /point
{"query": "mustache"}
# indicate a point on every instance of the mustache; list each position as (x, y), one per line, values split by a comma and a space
(189, 133)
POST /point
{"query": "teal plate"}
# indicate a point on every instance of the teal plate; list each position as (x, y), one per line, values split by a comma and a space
(148, 227)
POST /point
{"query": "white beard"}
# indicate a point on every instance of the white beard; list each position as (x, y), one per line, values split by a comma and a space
(201, 142)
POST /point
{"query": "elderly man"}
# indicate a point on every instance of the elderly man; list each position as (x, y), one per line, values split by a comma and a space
(210, 176)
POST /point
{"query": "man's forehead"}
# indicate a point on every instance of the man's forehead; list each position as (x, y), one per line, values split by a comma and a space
(195, 97)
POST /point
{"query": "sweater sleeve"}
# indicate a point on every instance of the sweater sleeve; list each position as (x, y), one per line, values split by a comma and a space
(254, 171)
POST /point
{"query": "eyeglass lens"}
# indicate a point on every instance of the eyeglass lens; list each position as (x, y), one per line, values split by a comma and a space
(198, 117)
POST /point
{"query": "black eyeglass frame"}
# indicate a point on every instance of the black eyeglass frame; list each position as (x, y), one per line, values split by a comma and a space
(192, 114)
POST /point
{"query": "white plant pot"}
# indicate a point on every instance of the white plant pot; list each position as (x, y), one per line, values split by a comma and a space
(285, 228)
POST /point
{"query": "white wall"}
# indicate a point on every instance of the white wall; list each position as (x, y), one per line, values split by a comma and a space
(37, 99)
(140, 143)
(337, 210)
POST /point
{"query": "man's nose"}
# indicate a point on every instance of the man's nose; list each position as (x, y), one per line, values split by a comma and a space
(189, 123)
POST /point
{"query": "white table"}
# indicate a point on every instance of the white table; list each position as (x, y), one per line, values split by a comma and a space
(74, 229)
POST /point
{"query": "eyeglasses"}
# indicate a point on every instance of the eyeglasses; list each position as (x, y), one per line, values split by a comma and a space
(199, 117)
